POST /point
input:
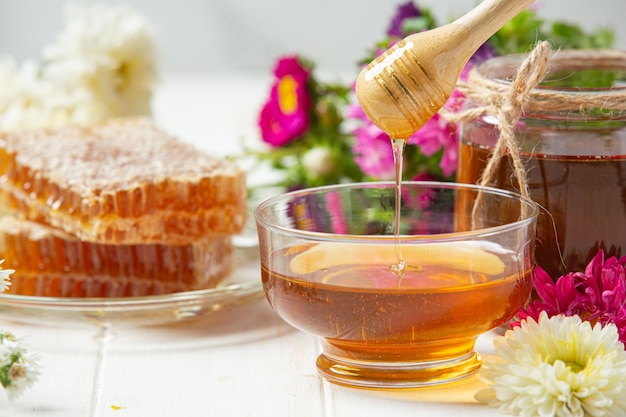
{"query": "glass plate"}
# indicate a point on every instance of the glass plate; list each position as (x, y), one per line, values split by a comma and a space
(241, 287)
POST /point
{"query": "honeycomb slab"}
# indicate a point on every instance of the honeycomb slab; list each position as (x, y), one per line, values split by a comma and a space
(50, 262)
(125, 182)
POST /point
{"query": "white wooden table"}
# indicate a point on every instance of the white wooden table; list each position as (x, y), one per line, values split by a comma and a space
(241, 362)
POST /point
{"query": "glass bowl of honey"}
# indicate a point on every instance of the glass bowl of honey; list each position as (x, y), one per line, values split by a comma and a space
(397, 294)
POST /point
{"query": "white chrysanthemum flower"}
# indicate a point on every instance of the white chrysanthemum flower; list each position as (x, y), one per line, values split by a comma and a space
(108, 50)
(36, 102)
(21, 93)
(25, 107)
(559, 366)
(102, 66)
(18, 368)
(5, 277)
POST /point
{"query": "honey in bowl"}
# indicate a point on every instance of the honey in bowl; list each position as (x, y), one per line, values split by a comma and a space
(423, 323)
(361, 307)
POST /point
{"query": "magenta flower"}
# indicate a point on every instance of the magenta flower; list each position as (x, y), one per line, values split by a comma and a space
(335, 210)
(372, 148)
(374, 155)
(426, 198)
(598, 295)
(435, 135)
(373, 152)
(285, 115)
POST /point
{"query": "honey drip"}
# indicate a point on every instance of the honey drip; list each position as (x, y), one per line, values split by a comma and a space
(398, 146)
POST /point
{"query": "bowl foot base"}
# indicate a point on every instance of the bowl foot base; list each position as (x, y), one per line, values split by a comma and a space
(385, 375)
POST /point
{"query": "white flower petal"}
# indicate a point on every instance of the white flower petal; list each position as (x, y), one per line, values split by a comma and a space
(558, 366)
(102, 65)
(18, 366)
(109, 49)
(5, 277)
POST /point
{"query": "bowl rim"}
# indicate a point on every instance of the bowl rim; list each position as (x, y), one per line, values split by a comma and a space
(476, 234)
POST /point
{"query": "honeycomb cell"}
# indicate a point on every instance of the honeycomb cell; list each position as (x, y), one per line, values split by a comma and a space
(124, 181)
(51, 262)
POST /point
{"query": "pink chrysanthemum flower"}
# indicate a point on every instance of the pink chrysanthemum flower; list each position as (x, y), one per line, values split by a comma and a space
(598, 295)
(372, 147)
(285, 115)
(435, 135)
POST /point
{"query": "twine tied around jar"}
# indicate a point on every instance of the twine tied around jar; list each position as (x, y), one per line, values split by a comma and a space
(507, 102)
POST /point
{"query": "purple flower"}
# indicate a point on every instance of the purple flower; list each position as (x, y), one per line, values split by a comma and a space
(285, 115)
(403, 11)
(485, 52)
(598, 295)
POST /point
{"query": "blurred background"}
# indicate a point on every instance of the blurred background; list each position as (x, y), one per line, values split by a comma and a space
(216, 56)
(248, 35)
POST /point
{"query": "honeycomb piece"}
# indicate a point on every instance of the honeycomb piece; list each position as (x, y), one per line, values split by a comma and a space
(125, 181)
(50, 262)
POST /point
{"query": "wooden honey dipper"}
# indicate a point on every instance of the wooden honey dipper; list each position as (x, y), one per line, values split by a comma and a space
(408, 84)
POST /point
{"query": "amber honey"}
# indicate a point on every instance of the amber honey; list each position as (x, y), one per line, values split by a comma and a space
(583, 196)
(364, 312)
